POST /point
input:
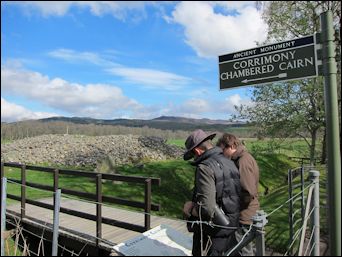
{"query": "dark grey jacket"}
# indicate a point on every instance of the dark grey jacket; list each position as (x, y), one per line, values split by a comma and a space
(217, 181)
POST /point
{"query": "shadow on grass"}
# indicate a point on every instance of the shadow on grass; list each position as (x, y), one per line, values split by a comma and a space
(273, 170)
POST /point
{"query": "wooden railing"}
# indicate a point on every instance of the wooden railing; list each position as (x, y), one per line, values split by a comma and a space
(99, 198)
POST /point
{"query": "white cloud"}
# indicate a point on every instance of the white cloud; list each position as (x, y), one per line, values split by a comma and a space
(212, 33)
(195, 106)
(135, 10)
(199, 108)
(74, 56)
(119, 9)
(94, 100)
(55, 8)
(234, 99)
(12, 112)
(228, 104)
(233, 5)
(146, 78)
(151, 79)
(97, 100)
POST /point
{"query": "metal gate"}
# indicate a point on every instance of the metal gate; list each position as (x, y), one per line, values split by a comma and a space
(298, 181)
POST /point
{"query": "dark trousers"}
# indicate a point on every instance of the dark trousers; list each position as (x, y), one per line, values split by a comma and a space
(219, 247)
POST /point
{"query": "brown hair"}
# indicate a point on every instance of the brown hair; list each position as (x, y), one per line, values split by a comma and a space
(228, 140)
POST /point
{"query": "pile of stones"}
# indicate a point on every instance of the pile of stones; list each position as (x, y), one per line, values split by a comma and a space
(88, 151)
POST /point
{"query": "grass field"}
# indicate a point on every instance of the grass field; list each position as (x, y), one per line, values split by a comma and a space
(295, 147)
(177, 178)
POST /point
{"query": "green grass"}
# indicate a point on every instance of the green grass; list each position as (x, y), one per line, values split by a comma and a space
(177, 177)
(294, 147)
(177, 142)
(291, 147)
(244, 131)
(6, 141)
(10, 249)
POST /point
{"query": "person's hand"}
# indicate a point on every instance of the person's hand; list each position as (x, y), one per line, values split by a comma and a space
(187, 208)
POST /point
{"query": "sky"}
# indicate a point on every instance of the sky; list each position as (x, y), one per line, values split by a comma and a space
(109, 60)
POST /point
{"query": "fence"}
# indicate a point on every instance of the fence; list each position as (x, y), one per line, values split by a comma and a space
(297, 207)
(99, 198)
(256, 231)
(296, 204)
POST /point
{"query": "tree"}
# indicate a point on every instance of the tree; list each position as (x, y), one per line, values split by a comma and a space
(292, 108)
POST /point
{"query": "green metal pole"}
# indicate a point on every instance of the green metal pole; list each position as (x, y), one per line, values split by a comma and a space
(332, 127)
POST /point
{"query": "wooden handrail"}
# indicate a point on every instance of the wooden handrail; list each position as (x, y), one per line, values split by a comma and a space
(147, 205)
(90, 196)
(79, 173)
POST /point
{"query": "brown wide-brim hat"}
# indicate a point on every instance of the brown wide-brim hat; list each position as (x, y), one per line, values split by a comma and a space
(194, 140)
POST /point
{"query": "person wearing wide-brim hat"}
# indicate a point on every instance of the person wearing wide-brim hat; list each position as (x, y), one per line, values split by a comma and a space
(194, 140)
(217, 187)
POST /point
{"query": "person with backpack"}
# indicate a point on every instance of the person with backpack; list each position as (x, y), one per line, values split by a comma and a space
(216, 197)
(249, 175)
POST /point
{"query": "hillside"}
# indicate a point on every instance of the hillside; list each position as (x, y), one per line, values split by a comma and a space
(165, 127)
(163, 122)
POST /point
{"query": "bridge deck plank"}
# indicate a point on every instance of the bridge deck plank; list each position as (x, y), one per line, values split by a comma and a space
(113, 234)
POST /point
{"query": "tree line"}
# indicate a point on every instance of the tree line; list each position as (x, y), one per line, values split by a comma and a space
(31, 128)
(24, 129)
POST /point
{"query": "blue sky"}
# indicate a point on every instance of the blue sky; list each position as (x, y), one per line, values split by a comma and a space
(122, 59)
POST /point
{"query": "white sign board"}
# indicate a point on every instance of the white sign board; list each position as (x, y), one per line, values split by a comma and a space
(159, 241)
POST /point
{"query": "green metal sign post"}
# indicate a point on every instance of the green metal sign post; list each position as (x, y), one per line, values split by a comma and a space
(332, 127)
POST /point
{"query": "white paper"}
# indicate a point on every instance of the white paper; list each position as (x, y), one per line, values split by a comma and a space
(159, 241)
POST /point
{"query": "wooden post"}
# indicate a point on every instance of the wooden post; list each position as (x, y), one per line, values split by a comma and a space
(2, 170)
(55, 183)
(23, 191)
(148, 204)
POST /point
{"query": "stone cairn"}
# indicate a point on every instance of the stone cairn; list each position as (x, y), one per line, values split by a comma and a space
(89, 151)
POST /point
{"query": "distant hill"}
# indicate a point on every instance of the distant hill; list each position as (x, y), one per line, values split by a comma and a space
(196, 121)
(163, 122)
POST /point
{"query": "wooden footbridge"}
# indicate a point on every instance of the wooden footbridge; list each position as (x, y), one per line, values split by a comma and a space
(88, 224)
